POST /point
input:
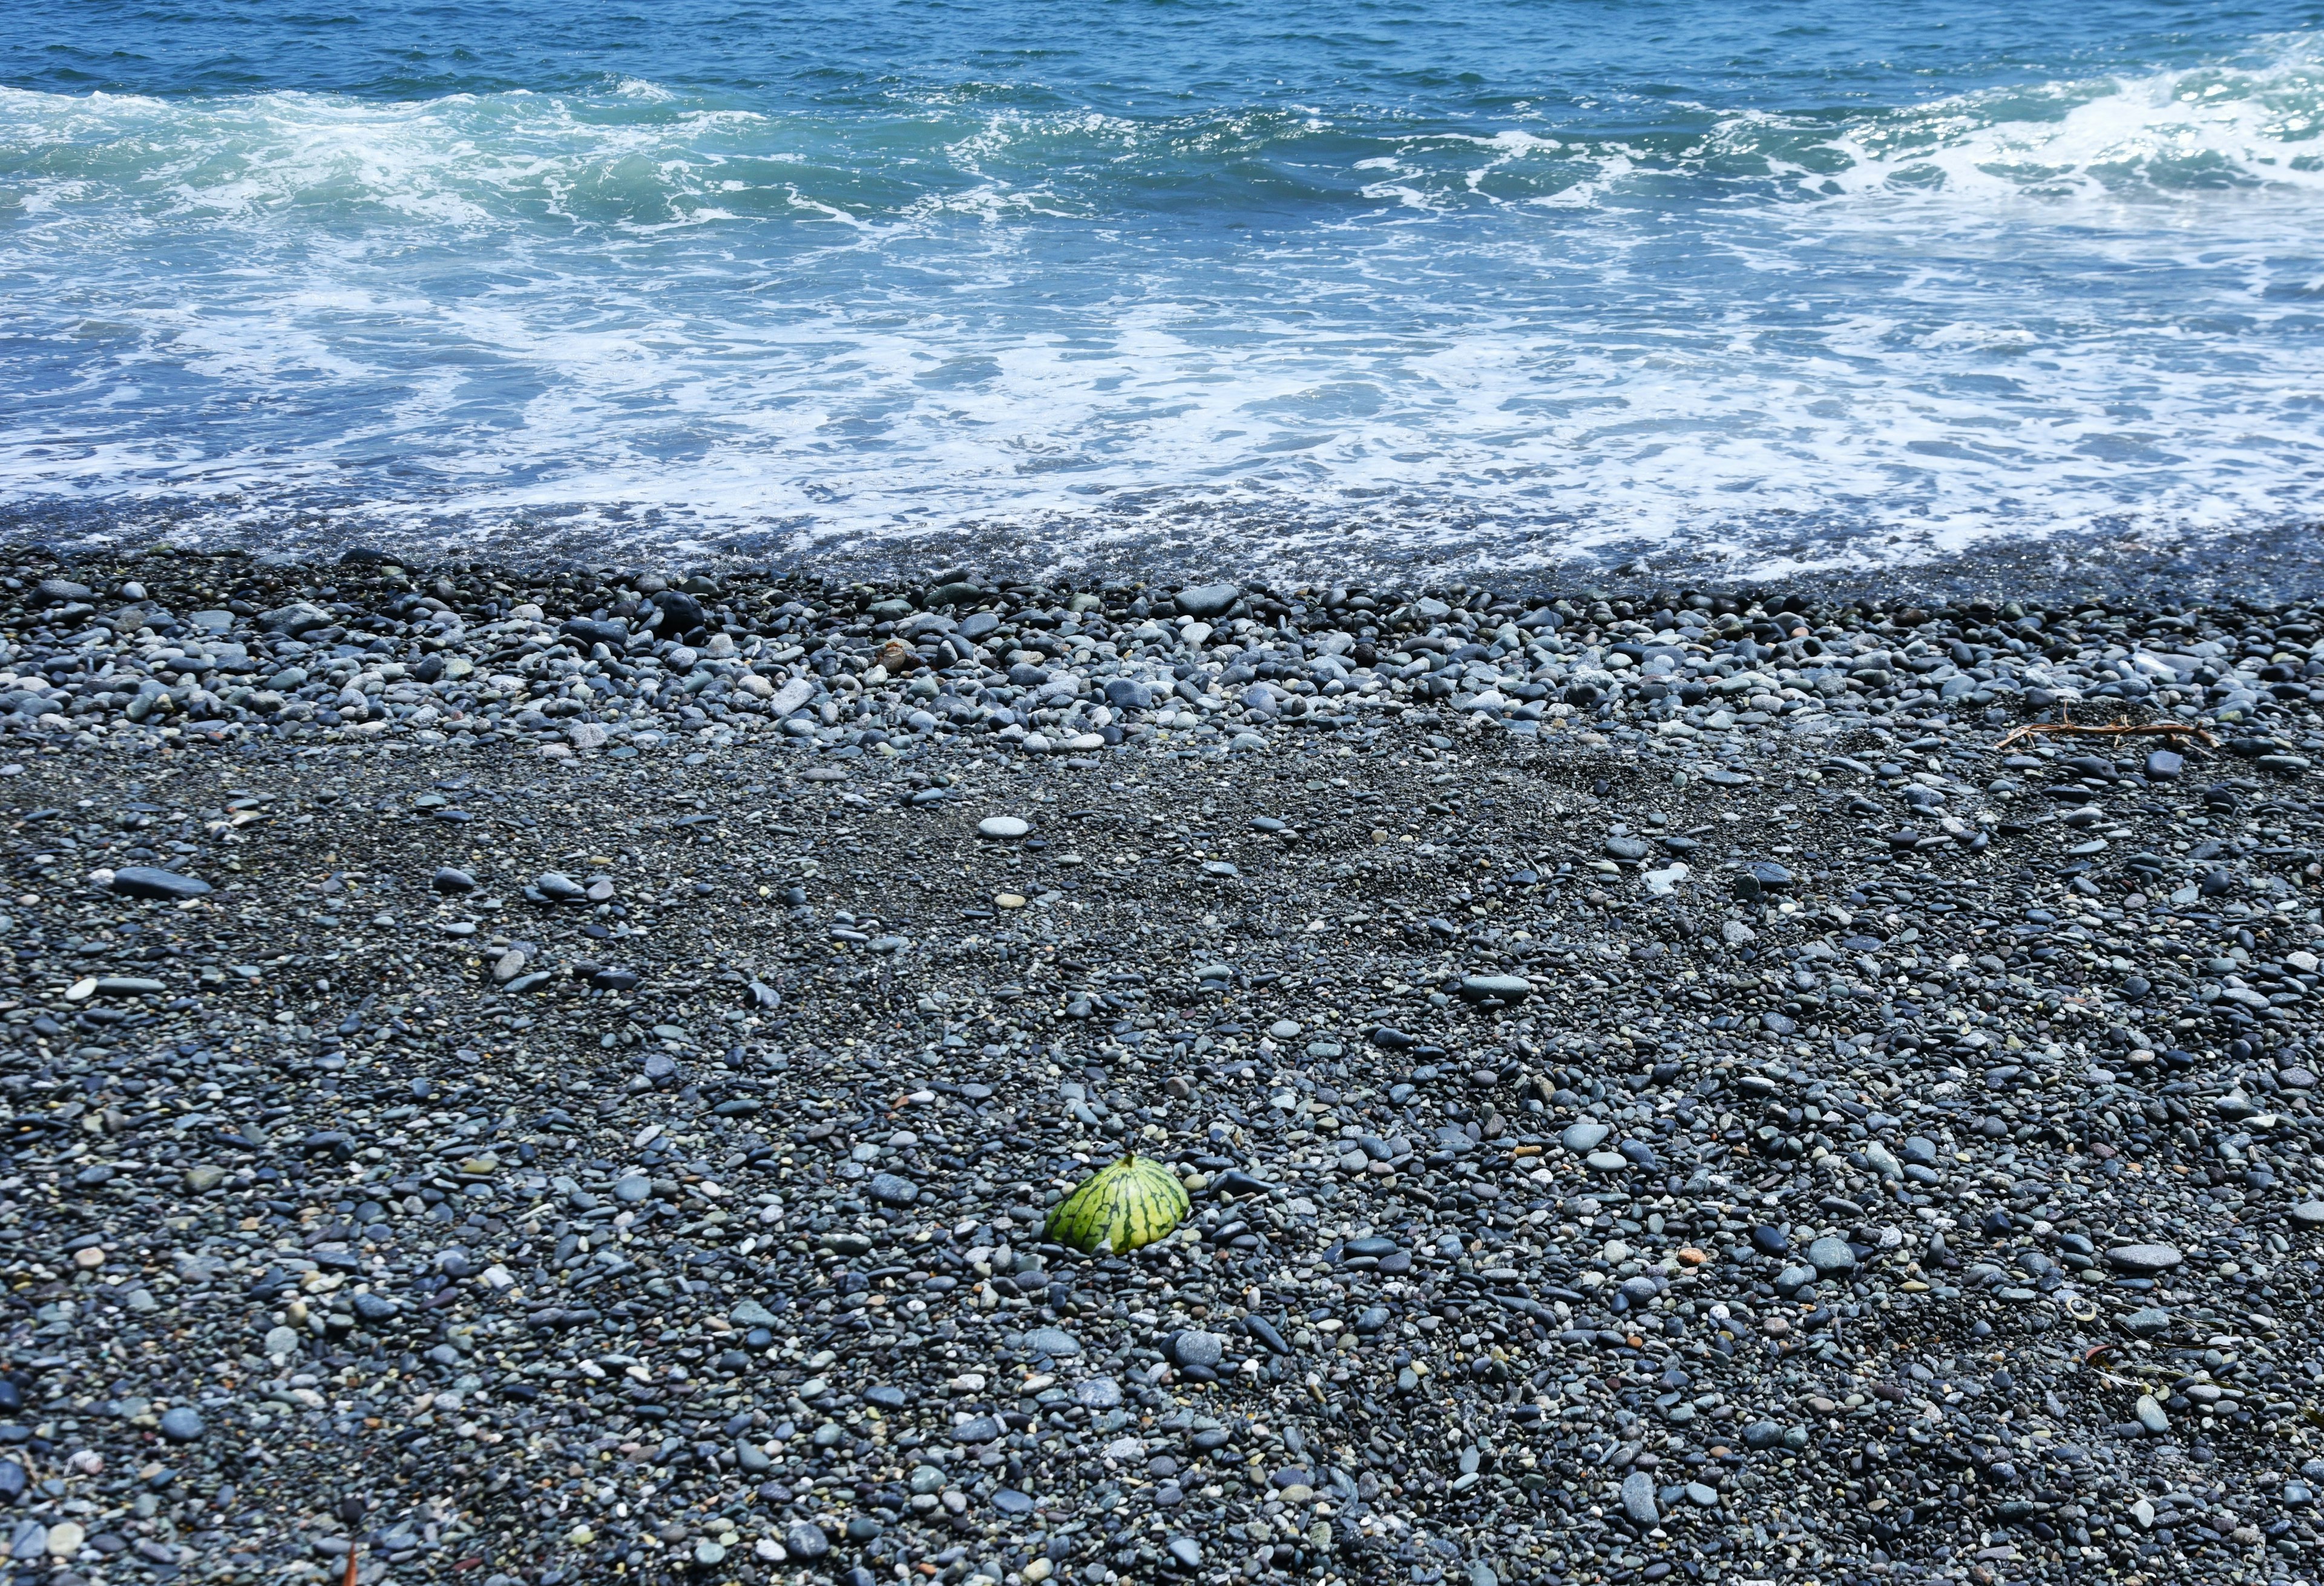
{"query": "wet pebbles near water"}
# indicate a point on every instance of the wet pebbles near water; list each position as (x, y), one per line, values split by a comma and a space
(557, 1076)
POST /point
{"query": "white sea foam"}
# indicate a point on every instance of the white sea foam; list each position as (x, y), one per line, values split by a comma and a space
(687, 320)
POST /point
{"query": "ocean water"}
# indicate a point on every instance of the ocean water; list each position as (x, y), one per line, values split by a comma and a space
(1211, 283)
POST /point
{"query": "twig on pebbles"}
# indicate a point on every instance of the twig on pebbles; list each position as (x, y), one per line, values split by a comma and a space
(2111, 729)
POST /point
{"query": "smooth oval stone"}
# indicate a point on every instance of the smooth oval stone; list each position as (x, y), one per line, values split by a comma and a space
(2309, 1213)
(1209, 600)
(1371, 1245)
(1194, 1347)
(981, 1429)
(1052, 1341)
(1509, 988)
(182, 1424)
(1762, 1435)
(2151, 1415)
(1003, 826)
(282, 1341)
(1582, 1138)
(1605, 1162)
(2143, 1261)
(805, 1540)
(145, 881)
(1830, 1255)
(890, 1190)
(630, 1191)
(1638, 1499)
(1097, 1393)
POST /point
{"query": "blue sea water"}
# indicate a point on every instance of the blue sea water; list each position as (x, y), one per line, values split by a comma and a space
(1340, 283)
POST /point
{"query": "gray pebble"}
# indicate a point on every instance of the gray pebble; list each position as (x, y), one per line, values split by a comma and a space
(2143, 1260)
(1830, 1256)
(1194, 1347)
(1581, 1138)
(1638, 1499)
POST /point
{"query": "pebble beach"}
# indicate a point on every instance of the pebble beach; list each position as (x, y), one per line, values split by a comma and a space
(533, 1077)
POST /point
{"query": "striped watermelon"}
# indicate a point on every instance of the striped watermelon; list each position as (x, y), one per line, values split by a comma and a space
(1130, 1202)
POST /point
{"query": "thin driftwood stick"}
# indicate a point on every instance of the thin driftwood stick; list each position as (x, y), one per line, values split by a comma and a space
(2118, 730)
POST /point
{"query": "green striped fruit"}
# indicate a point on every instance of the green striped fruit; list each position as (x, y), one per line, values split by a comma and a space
(1130, 1202)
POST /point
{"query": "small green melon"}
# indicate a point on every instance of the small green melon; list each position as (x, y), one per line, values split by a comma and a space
(1120, 1207)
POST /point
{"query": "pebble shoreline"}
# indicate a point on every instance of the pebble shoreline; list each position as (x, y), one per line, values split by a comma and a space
(544, 1076)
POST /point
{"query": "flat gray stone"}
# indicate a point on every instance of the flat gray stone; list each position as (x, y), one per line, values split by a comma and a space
(2309, 1213)
(1209, 600)
(1052, 1341)
(1509, 988)
(1194, 1347)
(182, 1424)
(1830, 1255)
(2143, 1261)
(1004, 827)
(1097, 1393)
(1581, 1138)
(1638, 1499)
(890, 1190)
(2151, 1415)
(145, 880)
